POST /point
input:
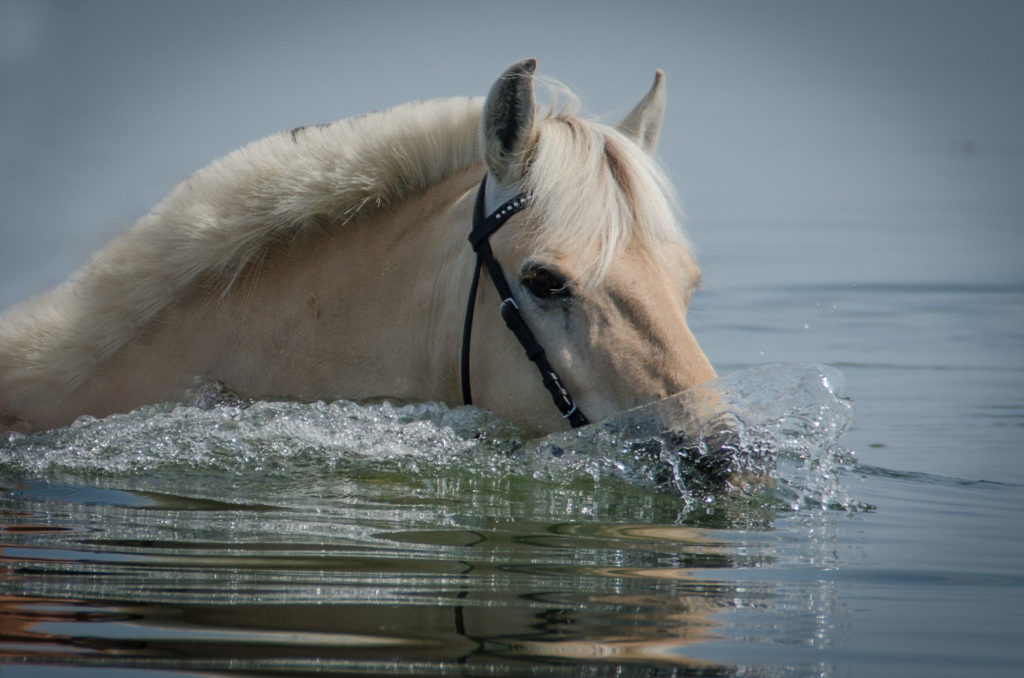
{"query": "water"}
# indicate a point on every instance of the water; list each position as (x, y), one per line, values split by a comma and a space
(287, 538)
(345, 537)
(852, 175)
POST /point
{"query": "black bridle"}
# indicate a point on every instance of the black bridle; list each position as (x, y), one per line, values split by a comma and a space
(483, 227)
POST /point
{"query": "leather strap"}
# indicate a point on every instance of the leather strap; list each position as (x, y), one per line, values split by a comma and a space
(483, 227)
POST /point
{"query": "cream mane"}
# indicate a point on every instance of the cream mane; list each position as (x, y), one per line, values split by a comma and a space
(595, 191)
(224, 217)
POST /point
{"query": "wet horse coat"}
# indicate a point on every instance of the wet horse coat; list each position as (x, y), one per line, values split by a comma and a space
(332, 262)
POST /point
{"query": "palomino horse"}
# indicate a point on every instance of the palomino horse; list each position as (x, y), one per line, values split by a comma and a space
(333, 262)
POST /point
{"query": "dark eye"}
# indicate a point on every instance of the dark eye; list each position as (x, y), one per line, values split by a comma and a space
(545, 283)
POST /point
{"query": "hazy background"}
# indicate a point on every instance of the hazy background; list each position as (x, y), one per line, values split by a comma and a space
(810, 141)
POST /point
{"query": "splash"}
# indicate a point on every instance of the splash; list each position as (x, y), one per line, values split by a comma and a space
(773, 429)
(768, 431)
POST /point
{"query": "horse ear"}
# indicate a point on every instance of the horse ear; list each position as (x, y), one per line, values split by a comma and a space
(507, 124)
(643, 124)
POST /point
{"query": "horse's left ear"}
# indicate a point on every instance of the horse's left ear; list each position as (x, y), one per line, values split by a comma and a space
(507, 125)
(643, 124)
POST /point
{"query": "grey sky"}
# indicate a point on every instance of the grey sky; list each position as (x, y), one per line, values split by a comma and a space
(834, 116)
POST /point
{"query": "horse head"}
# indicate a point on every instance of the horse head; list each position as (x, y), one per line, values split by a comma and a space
(597, 261)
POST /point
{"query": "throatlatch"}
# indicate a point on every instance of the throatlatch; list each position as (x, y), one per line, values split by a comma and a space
(483, 227)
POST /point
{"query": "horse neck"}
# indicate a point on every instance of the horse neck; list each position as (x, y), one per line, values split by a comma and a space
(372, 308)
(368, 308)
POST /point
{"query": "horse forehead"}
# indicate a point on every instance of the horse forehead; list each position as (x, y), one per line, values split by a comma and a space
(670, 267)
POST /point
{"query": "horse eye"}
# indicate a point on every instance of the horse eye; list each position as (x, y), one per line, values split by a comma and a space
(545, 283)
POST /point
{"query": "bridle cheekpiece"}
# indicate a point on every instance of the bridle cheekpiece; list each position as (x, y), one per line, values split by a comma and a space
(483, 227)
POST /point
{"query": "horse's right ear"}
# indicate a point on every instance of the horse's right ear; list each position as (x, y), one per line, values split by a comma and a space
(507, 125)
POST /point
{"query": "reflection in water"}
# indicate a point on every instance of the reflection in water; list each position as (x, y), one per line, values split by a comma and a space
(360, 539)
(508, 596)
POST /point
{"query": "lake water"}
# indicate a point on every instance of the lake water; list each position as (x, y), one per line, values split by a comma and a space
(853, 173)
(375, 539)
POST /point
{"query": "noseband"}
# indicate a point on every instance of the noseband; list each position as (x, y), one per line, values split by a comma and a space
(483, 227)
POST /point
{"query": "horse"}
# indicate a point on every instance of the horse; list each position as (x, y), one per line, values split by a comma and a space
(332, 261)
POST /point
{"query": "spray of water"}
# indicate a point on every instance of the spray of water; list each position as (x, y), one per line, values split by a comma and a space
(770, 432)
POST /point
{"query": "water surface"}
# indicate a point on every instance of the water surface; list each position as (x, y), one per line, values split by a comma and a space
(365, 538)
(852, 176)
(348, 537)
